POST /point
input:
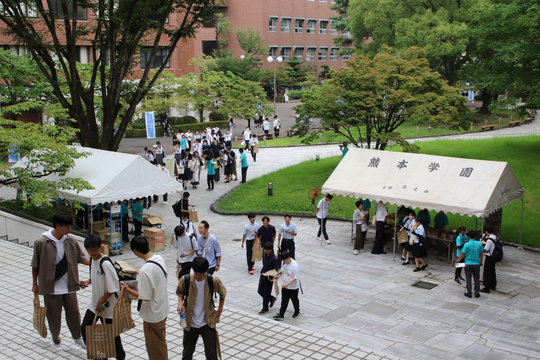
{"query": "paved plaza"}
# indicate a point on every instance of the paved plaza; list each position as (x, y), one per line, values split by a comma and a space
(353, 307)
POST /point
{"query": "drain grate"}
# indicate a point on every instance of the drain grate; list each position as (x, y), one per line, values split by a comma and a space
(425, 285)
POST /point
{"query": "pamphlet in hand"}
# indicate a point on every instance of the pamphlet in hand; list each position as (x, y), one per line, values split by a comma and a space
(460, 265)
(132, 284)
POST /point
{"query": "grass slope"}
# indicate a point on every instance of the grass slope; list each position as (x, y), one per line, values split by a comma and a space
(291, 185)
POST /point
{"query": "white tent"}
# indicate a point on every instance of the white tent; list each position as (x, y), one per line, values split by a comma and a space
(454, 185)
(114, 176)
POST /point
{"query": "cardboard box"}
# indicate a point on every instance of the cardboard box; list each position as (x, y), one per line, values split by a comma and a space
(98, 225)
(105, 249)
(156, 248)
(159, 240)
(101, 233)
(154, 232)
(153, 220)
(108, 236)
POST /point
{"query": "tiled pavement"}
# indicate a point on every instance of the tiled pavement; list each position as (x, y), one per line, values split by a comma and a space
(353, 306)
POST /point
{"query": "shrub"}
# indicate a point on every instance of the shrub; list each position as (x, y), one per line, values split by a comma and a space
(135, 133)
(138, 124)
(217, 116)
(187, 120)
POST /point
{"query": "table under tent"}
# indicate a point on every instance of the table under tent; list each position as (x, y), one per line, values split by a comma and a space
(454, 185)
(114, 176)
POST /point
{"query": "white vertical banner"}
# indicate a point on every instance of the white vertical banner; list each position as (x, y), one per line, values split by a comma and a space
(150, 125)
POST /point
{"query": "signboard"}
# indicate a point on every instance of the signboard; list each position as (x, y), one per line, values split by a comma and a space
(150, 125)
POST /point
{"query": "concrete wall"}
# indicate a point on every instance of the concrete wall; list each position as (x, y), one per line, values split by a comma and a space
(16, 227)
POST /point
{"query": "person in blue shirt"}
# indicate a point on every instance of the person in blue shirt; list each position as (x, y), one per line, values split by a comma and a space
(473, 252)
(461, 239)
(210, 172)
(243, 165)
(265, 283)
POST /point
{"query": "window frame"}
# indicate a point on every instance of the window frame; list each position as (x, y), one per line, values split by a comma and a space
(270, 18)
(159, 55)
(299, 29)
(311, 30)
(283, 56)
(281, 27)
(308, 48)
(323, 31)
(319, 54)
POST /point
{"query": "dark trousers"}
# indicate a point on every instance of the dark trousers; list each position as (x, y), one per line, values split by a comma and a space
(244, 174)
(474, 271)
(322, 228)
(265, 290)
(287, 294)
(249, 254)
(210, 181)
(490, 277)
(156, 198)
(276, 132)
(253, 154)
(89, 319)
(360, 238)
(216, 175)
(378, 245)
(54, 305)
(138, 227)
(247, 144)
(147, 201)
(125, 229)
(185, 268)
(288, 245)
(190, 342)
(458, 271)
(165, 197)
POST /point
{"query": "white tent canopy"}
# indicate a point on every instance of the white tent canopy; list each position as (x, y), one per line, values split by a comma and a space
(114, 176)
(454, 185)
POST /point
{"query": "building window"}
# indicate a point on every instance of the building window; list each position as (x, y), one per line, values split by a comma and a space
(57, 8)
(333, 30)
(310, 28)
(299, 53)
(272, 51)
(286, 53)
(272, 24)
(322, 1)
(285, 25)
(310, 54)
(83, 54)
(159, 60)
(19, 50)
(322, 53)
(334, 54)
(346, 56)
(323, 27)
(298, 26)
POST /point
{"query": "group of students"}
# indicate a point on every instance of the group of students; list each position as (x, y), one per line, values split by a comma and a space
(55, 276)
(264, 122)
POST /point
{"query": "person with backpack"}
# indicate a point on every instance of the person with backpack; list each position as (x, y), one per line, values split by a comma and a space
(105, 288)
(153, 298)
(195, 300)
(490, 276)
(186, 244)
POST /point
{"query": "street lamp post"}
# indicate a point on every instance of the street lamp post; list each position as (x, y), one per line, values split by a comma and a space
(275, 60)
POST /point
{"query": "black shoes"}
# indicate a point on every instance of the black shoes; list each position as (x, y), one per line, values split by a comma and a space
(468, 295)
(484, 290)
(424, 267)
(279, 317)
(295, 315)
(457, 281)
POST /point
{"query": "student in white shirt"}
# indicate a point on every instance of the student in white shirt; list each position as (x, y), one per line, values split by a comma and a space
(322, 214)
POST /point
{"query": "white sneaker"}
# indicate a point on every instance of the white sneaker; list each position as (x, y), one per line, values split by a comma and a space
(57, 346)
(328, 241)
(80, 342)
(318, 239)
(361, 251)
(355, 252)
(165, 202)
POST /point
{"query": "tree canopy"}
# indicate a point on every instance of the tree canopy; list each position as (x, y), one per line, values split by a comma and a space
(118, 33)
(371, 97)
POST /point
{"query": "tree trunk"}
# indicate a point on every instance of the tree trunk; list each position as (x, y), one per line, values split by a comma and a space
(486, 101)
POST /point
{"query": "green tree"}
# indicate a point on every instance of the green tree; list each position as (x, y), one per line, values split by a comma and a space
(164, 94)
(22, 87)
(342, 24)
(370, 98)
(119, 32)
(46, 153)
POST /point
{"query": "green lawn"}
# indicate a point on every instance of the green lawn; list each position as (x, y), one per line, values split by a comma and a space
(291, 185)
(407, 130)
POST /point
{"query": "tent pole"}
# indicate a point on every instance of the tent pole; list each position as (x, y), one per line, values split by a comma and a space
(395, 234)
(521, 224)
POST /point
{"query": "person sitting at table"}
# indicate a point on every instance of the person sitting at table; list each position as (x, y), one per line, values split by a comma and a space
(424, 217)
(440, 222)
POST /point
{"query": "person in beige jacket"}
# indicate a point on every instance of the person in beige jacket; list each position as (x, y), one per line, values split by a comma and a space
(196, 301)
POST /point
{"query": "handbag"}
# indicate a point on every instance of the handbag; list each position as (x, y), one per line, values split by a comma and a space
(363, 227)
(193, 215)
(411, 240)
(122, 320)
(39, 317)
(402, 236)
(100, 340)
(257, 252)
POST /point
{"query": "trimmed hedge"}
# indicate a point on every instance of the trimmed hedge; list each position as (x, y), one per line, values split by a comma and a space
(141, 133)
(217, 116)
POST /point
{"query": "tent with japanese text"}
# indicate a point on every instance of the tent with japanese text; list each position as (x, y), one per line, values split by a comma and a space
(455, 185)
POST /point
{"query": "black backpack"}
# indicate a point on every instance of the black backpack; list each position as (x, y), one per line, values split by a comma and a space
(498, 252)
(122, 276)
(209, 281)
(177, 208)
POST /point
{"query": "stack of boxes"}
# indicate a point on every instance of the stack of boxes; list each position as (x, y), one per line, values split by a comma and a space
(156, 238)
(99, 229)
